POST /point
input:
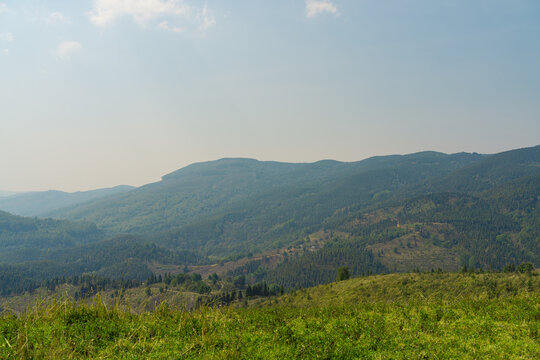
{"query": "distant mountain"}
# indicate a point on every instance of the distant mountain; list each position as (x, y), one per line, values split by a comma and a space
(191, 193)
(44, 202)
(288, 215)
(7, 193)
(200, 191)
(493, 170)
(232, 207)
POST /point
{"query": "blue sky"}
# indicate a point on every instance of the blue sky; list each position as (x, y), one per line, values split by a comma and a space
(95, 93)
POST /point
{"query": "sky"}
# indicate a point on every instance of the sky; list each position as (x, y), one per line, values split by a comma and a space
(97, 93)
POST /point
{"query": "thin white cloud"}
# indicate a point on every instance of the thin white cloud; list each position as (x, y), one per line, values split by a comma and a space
(105, 12)
(67, 48)
(3, 8)
(6, 37)
(164, 25)
(5, 51)
(206, 20)
(57, 18)
(160, 12)
(317, 7)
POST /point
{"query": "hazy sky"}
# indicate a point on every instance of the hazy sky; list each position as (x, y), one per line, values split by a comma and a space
(96, 93)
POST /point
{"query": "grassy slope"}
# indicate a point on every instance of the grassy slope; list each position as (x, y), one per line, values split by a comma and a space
(411, 287)
(135, 299)
(407, 316)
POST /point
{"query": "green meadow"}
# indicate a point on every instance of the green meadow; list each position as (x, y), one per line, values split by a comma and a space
(398, 316)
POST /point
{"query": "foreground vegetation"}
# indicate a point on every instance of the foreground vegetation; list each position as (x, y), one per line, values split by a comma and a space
(401, 316)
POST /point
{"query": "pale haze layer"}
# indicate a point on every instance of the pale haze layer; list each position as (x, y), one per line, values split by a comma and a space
(103, 92)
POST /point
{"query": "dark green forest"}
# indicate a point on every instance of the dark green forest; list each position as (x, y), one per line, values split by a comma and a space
(24, 238)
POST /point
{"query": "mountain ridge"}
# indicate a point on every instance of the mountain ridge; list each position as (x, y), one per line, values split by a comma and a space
(41, 203)
(207, 188)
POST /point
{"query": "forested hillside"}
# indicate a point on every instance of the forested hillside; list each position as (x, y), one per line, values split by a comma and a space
(491, 171)
(123, 257)
(288, 216)
(446, 231)
(23, 238)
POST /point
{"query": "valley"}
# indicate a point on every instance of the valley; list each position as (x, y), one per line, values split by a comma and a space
(291, 225)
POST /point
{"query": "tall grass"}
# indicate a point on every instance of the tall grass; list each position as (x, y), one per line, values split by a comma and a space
(506, 326)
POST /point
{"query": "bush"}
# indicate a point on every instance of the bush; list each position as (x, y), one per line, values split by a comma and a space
(343, 273)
